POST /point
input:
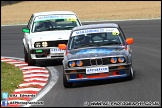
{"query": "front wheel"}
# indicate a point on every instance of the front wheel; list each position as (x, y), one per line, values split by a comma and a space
(131, 74)
(65, 82)
(25, 55)
(31, 62)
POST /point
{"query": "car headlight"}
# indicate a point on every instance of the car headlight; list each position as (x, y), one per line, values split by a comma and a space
(37, 44)
(79, 63)
(121, 59)
(44, 44)
(113, 60)
(71, 63)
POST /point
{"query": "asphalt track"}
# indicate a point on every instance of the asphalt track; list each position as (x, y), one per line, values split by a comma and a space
(146, 62)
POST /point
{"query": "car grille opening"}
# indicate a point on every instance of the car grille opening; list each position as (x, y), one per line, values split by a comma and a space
(96, 61)
(93, 61)
(53, 43)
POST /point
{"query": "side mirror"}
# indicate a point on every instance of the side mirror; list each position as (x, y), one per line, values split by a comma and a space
(62, 46)
(129, 41)
(25, 30)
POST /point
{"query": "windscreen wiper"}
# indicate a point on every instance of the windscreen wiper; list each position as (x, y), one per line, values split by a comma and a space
(84, 45)
(108, 43)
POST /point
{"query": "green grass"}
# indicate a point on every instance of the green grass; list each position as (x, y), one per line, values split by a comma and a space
(11, 77)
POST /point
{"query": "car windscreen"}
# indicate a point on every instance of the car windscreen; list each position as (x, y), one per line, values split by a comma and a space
(95, 37)
(54, 22)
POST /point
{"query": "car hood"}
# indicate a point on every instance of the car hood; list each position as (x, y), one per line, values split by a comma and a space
(50, 35)
(97, 52)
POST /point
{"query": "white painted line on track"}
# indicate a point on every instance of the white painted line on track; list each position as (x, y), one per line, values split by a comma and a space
(13, 58)
(35, 71)
(38, 79)
(124, 20)
(93, 21)
(26, 71)
(27, 89)
(32, 75)
(5, 60)
(13, 62)
(21, 64)
(33, 83)
(30, 67)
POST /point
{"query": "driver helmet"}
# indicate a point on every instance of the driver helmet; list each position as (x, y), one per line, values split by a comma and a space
(39, 26)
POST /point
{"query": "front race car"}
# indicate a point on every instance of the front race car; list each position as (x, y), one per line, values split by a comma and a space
(98, 63)
(96, 54)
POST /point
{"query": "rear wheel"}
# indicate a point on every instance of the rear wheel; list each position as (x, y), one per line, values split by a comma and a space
(66, 83)
(31, 62)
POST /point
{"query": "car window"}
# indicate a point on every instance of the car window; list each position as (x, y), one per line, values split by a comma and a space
(122, 33)
(79, 40)
(53, 22)
(30, 22)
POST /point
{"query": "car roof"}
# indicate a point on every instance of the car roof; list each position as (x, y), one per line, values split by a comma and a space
(53, 12)
(93, 26)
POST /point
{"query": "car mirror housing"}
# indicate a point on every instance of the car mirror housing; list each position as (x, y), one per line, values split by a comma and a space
(25, 30)
(129, 41)
(62, 46)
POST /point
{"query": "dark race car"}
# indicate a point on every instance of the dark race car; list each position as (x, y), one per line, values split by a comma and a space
(95, 52)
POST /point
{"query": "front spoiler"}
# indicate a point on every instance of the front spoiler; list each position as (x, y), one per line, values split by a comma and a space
(87, 79)
(48, 57)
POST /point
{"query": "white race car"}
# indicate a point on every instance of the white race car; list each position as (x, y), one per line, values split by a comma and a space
(45, 30)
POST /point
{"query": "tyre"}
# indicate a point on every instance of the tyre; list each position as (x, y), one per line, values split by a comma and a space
(25, 55)
(66, 83)
(131, 74)
(31, 62)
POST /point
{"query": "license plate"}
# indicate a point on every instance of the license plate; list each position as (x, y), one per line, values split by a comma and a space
(97, 70)
(56, 50)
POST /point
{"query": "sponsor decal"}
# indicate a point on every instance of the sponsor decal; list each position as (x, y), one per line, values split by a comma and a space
(88, 31)
(115, 32)
(48, 17)
(97, 70)
(103, 50)
(56, 50)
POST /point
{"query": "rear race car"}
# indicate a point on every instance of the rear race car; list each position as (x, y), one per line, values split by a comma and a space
(45, 30)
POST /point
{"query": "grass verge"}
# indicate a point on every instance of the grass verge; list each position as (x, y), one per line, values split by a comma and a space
(11, 77)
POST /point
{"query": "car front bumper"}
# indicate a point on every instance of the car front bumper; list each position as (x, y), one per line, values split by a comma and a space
(74, 75)
(45, 54)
